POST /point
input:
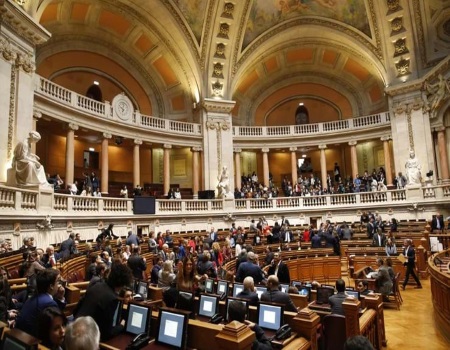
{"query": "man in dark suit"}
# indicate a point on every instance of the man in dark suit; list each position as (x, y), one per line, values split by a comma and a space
(274, 295)
(371, 229)
(337, 299)
(101, 301)
(250, 268)
(279, 269)
(315, 240)
(410, 255)
(249, 292)
(379, 239)
(284, 221)
(49, 293)
(137, 264)
(437, 223)
(67, 246)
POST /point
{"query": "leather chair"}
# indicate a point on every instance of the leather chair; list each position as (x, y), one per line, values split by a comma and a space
(334, 332)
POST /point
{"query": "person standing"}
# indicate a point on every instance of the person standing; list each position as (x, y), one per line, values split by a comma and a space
(410, 255)
(279, 269)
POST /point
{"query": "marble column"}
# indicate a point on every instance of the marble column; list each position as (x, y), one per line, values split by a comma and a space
(195, 170)
(237, 167)
(104, 181)
(294, 165)
(167, 149)
(353, 158)
(443, 157)
(70, 153)
(387, 160)
(36, 116)
(265, 152)
(136, 163)
(323, 165)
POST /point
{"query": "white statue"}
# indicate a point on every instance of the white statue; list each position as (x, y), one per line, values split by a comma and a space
(412, 167)
(29, 172)
(223, 188)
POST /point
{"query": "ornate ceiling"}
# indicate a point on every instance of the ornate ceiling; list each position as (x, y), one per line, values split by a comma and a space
(335, 56)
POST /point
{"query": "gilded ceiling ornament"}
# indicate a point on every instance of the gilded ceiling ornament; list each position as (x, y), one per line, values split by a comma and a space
(393, 5)
(21, 2)
(220, 51)
(218, 69)
(217, 88)
(403, 66)
(400, 47)
(228, 9)
(397, 24)
(433, 94)
(224, 29)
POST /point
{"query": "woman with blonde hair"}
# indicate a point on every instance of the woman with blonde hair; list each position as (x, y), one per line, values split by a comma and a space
(166, 275)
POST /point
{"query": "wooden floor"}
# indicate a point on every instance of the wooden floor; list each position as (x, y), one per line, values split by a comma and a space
(413, 326)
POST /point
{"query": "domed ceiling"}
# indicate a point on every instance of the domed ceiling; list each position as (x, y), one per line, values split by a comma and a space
(334, 56)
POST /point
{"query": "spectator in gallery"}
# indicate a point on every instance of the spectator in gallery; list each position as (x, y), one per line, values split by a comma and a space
(177, 194)
(124, 192)
(73, 188)
(95, 182)
(337, 172)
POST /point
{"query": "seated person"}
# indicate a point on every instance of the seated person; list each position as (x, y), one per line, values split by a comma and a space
(236, 312)
(358, 342)
(363, 288)
(83, 333)
(384, 281)
(51, 328)
(337, 299)
(274, 295)
(249, 291)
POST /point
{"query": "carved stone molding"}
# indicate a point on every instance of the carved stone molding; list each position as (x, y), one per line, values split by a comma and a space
(220, 106)
(75, 127)
(400, 47)
(402, 66)
(197, 149)
(352, 143)
(293, 149)
(217, 88)
(37, 114)
(218, 70)
(138, 142)
(385, 138)
(214, 124)
(322, 146)
(167, 146)
(265, 150)
(224, 29)
(220, 50)
(7, 50)
(397, 25)
(228, 9)
(107, 135)
(393, 5)
(237, 150)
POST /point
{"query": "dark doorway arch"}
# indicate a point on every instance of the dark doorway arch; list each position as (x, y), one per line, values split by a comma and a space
(301, 115)
(95, 93)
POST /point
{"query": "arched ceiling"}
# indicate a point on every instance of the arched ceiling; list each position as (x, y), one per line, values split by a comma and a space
(335, 55)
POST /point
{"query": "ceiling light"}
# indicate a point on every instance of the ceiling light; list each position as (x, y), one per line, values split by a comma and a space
(303, 155)
(91, 149)
(300, 104)
(96, 82)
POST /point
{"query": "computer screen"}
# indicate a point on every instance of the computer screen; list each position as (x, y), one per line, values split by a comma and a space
(209, 286)
(284, 288)
(352, 293)
(13, 344)
(297, 284)
(185, 301)
(306, 291)
(270, 316)
(138, 320)
(237, 288)
(11, 341)
(229, 300)
(172, 328)
(260, 290)
(323, 294)
(208, 305)
(222, 287)
(142, 289)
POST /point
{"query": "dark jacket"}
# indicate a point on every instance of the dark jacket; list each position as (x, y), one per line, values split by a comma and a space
(282, 274)
(276, 296)
(137, 265)
(252, 297)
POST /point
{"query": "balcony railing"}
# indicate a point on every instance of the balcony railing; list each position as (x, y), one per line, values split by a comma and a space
(26, 202)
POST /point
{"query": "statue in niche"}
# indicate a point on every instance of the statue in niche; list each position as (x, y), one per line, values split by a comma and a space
(412, 167)
(28, 170)
(223, 188)
(434, 94)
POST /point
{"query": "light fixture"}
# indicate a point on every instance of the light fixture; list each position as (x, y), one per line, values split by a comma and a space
(96, 82)
(303, 155)
(91, 149)
(301, 104)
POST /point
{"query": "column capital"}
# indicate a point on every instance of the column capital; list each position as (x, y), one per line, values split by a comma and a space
(265, 150)
(293, 149)
(385, 138)
(72, 126)
(197, 149)
(237, 150)
(352, 143)
(322, 146)
(138, 142)
(107, 135)
(440, 128)
(37, 114)
(167, 146)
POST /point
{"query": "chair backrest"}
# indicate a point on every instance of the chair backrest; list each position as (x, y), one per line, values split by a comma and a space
(334, 331)
(395, 282)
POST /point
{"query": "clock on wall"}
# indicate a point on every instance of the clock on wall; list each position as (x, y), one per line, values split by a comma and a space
(122, 107)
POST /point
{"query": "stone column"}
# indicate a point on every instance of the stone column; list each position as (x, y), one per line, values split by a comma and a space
(36, 116)
(353, 158)
(70, 153)
(387, 160)
(104, 184)
(443, 157)
(136, 164)
(294, 165)
(265, 152)
(167, 149)
(237, 167)
(323, 164)
(195, 170)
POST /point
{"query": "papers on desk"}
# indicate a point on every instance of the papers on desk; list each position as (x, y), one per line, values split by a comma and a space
(435, 246)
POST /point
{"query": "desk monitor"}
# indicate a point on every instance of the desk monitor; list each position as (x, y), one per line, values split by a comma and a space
(209, 286)
(260, 291)
(229, 300)
(138, 320)
(306, 291)
(353, 294)
(16, 339)
(185, 301)
(208, 305)
(297, 284)
(237, 288)
(270, 316)
(284, 288)
(222, 287)
(142, 289)
(324, 294)
(172, 328)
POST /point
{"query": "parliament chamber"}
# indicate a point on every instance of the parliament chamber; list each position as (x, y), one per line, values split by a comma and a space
(193, 115)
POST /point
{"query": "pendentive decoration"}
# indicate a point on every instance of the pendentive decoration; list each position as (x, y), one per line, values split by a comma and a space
(435, 94)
